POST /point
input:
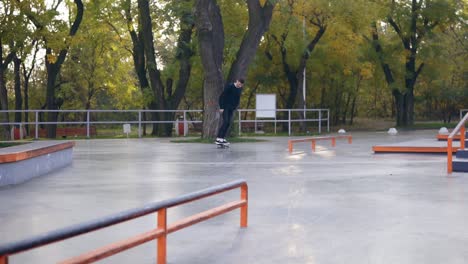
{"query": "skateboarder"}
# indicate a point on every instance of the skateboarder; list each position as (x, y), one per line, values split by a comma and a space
(228, 102)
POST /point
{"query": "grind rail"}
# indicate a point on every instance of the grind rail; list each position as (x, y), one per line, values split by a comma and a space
(159, 233)
(459, 128)
(314, 139)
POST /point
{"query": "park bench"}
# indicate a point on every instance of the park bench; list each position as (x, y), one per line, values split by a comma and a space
(66, 131)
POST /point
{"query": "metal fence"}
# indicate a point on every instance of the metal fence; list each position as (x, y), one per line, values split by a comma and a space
(462, 113)
(183, 118)
(286, 116)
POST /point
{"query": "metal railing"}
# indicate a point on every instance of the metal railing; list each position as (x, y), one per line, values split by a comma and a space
(460, 128)
(160, 232)
(319, 119)
(313, 141)
(88, 122)
(462, 111)
(91, 118)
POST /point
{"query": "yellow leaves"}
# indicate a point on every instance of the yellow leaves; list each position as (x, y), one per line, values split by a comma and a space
(262, 2)
(367, 70)
(347, 72)
(51, 58)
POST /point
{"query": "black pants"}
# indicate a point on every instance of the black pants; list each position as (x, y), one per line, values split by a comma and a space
(227, 116)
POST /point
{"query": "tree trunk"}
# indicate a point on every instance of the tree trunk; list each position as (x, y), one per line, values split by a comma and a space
(259, 22)
(184, 55)
(18, 97)
(300, 98)
(143, 47)
(5, 129)
(53, 70)
(211, 44)
(138, 55)
(399, 98)
(399, 107)
(26, 101)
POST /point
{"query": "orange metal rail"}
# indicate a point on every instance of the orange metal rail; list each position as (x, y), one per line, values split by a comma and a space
(459, 128)
(160, 233)
(314, 139)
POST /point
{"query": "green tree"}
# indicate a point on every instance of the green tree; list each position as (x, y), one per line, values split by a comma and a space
(413, 22)
(57, 37)
(150, 66)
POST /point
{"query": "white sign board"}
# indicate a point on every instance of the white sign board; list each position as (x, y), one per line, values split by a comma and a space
(127, 128)
(266, 106)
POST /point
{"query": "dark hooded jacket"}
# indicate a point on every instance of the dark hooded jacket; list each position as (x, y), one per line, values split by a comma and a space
(230, 97)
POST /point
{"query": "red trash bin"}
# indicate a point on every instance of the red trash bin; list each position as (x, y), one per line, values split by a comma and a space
(181, 128)
(17, 134)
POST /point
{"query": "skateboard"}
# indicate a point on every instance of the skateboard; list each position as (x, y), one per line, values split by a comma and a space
(222, 145)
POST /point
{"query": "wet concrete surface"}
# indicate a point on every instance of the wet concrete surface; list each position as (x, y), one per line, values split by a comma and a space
(336, 205)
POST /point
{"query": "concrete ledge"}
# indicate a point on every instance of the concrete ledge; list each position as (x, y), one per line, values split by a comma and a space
(21, 163)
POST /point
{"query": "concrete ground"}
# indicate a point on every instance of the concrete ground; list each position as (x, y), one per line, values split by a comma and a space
(336, 205)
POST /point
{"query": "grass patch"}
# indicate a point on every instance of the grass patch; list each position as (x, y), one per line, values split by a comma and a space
(11, 144)
(283, 134)
(432, 125)
(210, 141)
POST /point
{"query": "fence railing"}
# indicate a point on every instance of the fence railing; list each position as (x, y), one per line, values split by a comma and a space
(462, 112)
(460, 128)
(88, 121)
(89, 118)
(317, 116)
(160, 232)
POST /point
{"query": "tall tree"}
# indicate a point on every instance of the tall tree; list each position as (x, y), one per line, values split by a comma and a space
(56, 46)
(412, 21)
(210, 30)
(8, 26)
(165, 97)
(26, 73)
(311, 17)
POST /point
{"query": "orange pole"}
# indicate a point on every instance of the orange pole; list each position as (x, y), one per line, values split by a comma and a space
(244, 208)
(462, 137)
(333, 139)
(290, 147)
(313, 145)
(3, 259)
(350, 139)
(162, 224)
(449, 155)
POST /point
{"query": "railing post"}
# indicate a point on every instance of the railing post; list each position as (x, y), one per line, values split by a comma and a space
(139, 123)
(162, 224)
(37, 125)
(21, 131)
(462, 137)
(185, 124)
(87, 124)
(328, 120)
(290, 146)
(3, 259)
(313, 145)
(289, 122)
(449, 155)
(244, 208)
(320, 121)
(240, 119)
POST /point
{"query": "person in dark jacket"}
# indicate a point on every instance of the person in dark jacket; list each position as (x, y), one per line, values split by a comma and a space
(228, 102)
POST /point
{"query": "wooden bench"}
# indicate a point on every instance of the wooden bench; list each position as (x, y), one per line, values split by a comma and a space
(314, 139)
(23, 162)
(66, 131)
